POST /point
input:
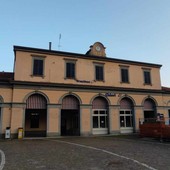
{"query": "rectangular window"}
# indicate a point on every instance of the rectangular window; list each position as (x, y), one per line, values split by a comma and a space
(38, 67)
(70, 70)
(124, 75)
(99, 73)
(147, 77)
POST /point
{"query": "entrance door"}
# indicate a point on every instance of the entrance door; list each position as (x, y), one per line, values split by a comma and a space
(70, 116)
(126, 116)
(70, 123)
(36, 116)
(100, 116)
(100, 121)
(126, 121)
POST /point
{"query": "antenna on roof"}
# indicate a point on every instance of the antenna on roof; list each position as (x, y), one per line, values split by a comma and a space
(59, 45)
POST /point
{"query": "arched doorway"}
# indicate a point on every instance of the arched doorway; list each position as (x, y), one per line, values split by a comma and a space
(36, 116)
(126, 116)
(100, 115)
(149, 109)
(70, 116)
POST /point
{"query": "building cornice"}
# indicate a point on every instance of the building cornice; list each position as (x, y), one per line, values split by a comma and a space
(42, 85)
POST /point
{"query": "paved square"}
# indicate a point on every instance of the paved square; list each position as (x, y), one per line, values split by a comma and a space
(86, 153)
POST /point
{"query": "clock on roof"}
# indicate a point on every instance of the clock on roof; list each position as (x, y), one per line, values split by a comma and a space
(98, 48)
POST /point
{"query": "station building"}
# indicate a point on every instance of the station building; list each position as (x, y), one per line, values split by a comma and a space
(54, 93)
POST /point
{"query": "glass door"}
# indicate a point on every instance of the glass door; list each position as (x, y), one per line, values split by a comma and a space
(126, 121)
(100, 121)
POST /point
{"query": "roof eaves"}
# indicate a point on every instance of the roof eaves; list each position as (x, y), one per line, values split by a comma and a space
(85, 56)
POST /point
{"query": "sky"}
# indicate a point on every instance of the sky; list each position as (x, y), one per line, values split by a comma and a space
(137, 30)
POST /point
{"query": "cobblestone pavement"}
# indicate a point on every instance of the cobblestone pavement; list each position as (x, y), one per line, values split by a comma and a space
(81, 153)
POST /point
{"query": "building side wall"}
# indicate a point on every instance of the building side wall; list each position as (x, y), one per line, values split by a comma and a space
(85, 121)
(53, 122)
(17, 120)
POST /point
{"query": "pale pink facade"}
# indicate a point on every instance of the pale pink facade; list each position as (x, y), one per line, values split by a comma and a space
(53, 93)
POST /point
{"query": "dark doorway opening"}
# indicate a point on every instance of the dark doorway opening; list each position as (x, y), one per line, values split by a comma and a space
(149, 109)
(36, 116)
(149, 114)
(70, 122)
(35, 122)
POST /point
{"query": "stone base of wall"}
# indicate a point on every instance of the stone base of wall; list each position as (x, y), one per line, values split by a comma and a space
(86, 134)
(13, 136)
(53, 134)
(115, 132)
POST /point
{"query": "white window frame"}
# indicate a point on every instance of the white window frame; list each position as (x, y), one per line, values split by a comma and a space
(99, 115)
(124, 115)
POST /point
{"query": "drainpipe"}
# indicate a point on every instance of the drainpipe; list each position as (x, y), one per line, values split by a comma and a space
(12, 95)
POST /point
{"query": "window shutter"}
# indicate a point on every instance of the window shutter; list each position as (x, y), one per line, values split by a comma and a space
(70, 102)
(99, 103)
(38, 67)
(36, 101)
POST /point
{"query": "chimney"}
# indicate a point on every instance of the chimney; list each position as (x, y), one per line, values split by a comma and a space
(50, 45)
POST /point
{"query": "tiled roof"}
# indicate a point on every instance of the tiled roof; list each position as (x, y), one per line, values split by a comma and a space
(6, 76)
(166, 89)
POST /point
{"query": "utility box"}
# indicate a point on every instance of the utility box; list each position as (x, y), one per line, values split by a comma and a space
(8, 133)
(20, 133)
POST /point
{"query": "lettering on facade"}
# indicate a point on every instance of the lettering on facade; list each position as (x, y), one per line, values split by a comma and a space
(110, 94)
(83, 81)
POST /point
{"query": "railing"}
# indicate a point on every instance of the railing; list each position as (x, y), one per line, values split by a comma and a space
(155, 128)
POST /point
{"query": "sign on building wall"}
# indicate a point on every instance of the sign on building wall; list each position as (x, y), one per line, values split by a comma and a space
(109, 94)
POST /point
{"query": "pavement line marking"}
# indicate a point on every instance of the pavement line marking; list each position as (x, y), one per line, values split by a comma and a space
(2, 160)
(108, 152)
